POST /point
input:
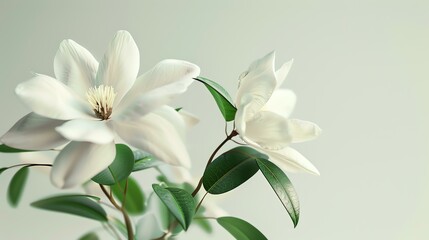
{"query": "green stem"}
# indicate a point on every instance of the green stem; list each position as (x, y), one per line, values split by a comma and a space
(127, 219)
(201, 202)
(229, 137)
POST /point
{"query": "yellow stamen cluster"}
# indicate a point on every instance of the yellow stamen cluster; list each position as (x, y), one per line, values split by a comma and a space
(101, 99)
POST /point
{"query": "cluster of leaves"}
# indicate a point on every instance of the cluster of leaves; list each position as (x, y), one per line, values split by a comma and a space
(225, 173)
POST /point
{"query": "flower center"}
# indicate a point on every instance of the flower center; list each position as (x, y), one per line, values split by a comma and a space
(101, 99)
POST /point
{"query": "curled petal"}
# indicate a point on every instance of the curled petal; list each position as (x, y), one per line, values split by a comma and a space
(302, 131)
(52, 99)
(281, 102)
(34, 132)
(159, 133)
(269, 130)
(75, 66)
(157, 87)
(257, 84)
(78, 162)
(120, 65)
(82, 130)
(292, 161)
(282, 72)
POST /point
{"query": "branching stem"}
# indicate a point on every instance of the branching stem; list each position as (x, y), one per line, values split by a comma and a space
(127, 219)
(229, 137)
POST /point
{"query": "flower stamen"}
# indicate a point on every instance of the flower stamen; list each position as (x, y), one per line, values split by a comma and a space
(101, 99)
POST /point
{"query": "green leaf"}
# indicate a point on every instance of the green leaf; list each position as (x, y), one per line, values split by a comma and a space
(144, 161)
(204, 224)
(240, 229)
(7, 149)
(231, 169)
(120, 169)
(179, 202)
(134, 202)
(89, 236)
(222, 98)
(16, 186)
(80, 205)
(3, 169)
(282, 187)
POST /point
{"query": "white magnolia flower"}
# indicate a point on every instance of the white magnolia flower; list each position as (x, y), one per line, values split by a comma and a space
(89, 105)
(262, 117)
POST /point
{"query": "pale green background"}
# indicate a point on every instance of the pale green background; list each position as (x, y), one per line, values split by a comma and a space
(360, 72)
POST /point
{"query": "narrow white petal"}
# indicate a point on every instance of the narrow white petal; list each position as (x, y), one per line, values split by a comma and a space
(281, 102)
(120, 65)
(49, 97)
(292, 161)
(157, 133)
(302, 131)
(157, 87)
(44, 157)
(75, 66)
(269, 130)
(37, 157)
(34, 132)
(148, 227)
(82, 130)
(257, 84)
(78, 162)
(282, 72)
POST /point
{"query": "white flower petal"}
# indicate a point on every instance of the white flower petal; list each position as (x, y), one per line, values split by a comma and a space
(44, 157)
(240, 120)
(190, 119)
(282, 72)
(157, 87)
(257, 84)
(120, 65)
(80, 161)
(269, 130)
(37, 157)
(158, 134)
(281, 102)
(51, 98)
(148, 227)
(75, 66)
(34, 132)
(292, 161)
(82, 130)
(302, 131)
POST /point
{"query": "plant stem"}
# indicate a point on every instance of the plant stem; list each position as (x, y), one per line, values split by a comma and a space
(201, 201)
(32, 165)
(229, 137)
(127, 219)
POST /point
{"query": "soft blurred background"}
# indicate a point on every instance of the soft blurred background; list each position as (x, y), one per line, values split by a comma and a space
(360, 72)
